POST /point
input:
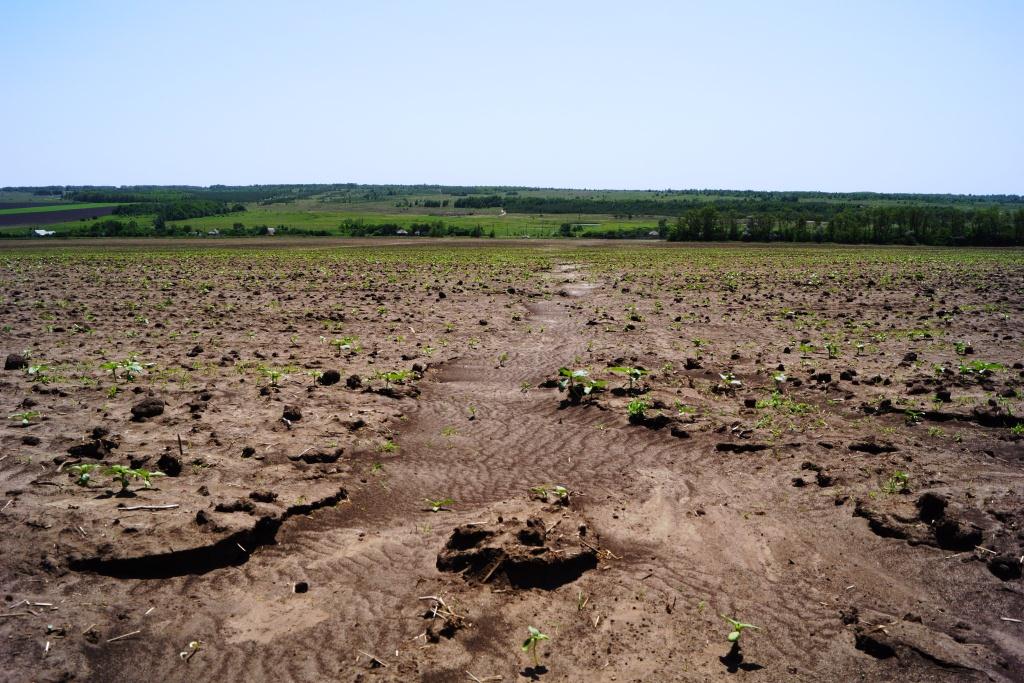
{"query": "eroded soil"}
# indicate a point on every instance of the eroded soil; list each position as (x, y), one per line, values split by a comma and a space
(823, 443)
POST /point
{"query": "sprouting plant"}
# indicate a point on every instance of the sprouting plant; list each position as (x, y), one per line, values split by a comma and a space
(577, 383)
(898, 482)
(912, 417)
(120, 473)
(729, 380)
(349, 344)
(780, 402)
(398, 376)
(273, 375)
(25, 417)
(146, 476)
(737, 628)
(38, 372)
(315, 375)
(502, 357)
(129, 367)
(439, 504)
(83, 472)
(193, 647)
(633, 374)
(530, 644)
(1017, 429)
(833, 349)
(388, 446)
(636, 408)
(112, 391)
(960, 347)
(684, 409)
(979, 367)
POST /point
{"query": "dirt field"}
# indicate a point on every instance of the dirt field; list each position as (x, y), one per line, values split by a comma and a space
(821, 442)
(51, 217)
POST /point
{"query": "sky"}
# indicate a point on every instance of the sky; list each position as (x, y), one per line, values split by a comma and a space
(893, 96)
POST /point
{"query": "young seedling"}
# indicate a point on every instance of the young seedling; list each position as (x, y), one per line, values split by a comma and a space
(728, 384)
(146, 476)
(636, 409)
(634, 375)
(898, 482)
(346, 344)
(440, 504)
(120, 473)
(193, 647)
(83, 472)
(397, 376)
(129, 367)
(737, 628)
(531, 642)
(273, 375)
(577, 383)
(24, 417)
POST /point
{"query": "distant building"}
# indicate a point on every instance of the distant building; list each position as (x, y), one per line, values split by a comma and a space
(400, 231)
(653, 233)
(43, 233)
(271, 231)
(213, 233)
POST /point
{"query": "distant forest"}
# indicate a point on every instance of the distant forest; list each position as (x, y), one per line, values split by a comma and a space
(680, 215)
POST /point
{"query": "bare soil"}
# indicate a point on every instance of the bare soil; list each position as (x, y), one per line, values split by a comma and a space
(816, 455)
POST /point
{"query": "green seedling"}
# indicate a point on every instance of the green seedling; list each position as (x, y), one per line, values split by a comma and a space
(38, 372)
(129, 367)
(898, 482)
(632, 374)
(397, 376)
(146, 476)
(531, 642)
(24, 417)
(346, 344)
(83, 472)
(440, 504)
(636, 408)
(737, 628)
(912, 417)
(273, 375)
(120, 473)
(729, 380)
(979, 367)
(577, 383)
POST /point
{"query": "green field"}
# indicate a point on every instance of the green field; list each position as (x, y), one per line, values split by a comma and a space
(330, 217)
(519, 212)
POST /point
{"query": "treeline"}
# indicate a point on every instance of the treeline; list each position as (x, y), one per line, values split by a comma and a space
(864, 225)
(179, 209)
(359, 228)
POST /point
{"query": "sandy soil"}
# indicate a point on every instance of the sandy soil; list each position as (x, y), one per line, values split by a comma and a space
(294, 538)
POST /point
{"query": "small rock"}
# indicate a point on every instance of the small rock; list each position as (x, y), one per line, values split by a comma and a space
(169, 465)
(292, 413)
(15, 361)
(147, 408)
(330, 377)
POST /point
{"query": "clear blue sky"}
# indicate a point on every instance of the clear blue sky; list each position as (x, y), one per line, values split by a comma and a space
(885, 96)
